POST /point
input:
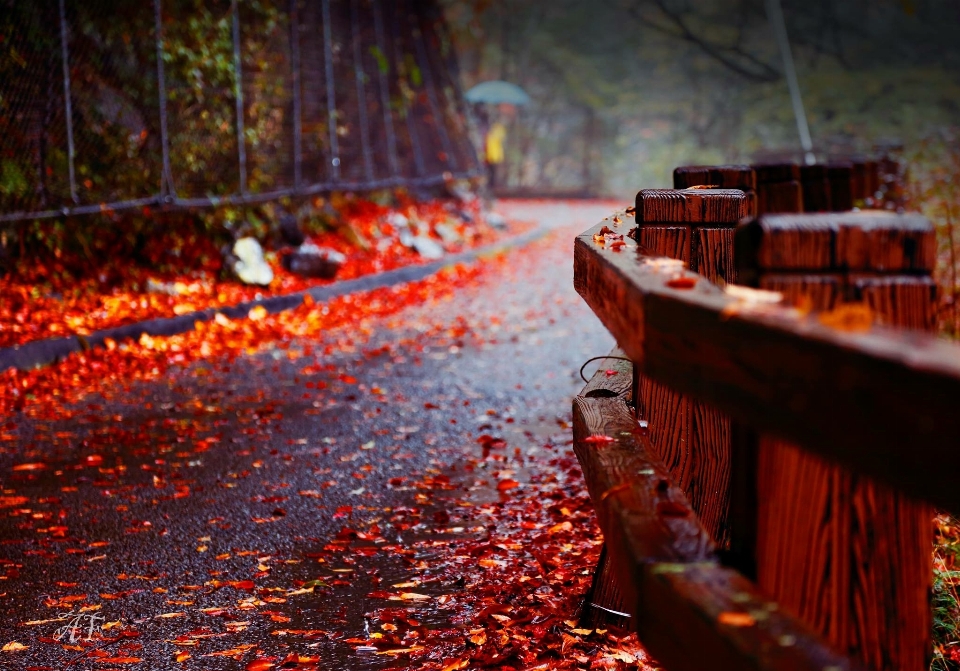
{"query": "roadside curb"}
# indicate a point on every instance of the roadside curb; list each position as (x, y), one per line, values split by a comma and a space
(50, 350)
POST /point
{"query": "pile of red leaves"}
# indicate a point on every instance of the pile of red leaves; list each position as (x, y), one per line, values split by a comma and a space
(521, 584)
(57, 297)
(86, 372)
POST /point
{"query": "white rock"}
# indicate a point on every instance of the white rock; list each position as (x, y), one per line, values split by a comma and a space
(397, 220)
(250, 267)
(427, 248)
(495, 219)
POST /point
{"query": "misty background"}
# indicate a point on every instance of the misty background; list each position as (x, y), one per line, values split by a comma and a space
(623, 91)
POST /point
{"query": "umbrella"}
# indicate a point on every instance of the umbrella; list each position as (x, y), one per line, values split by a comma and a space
(496, 92)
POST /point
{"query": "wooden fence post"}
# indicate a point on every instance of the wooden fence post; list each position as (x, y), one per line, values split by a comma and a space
(740, 177)
(693, 439)
(848, 555)
(778, 188)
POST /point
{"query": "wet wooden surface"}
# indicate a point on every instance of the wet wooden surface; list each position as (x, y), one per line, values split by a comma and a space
(855, 563)
(690, 612)
(692, 438)
(787, 373)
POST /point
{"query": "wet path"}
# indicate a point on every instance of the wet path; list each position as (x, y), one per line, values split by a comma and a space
(399, 495)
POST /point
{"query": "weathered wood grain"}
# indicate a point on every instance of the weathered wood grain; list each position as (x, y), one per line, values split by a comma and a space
(740, 177)
(779, 197)
(786, 373)
(805, 290)
(827, 568)
(691, 438)
(848, 556)
(816, 188)
(689, 612)
(704, 616)
(906, 301)
(712, 255)
(614, 378)
(840, 176)
(674, 241)
(872, 240)
(768, 173)
(642, 513)
(864, 181)
(690, 206)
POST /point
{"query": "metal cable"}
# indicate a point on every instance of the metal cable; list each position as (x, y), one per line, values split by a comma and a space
(599, 358)
(68, 106)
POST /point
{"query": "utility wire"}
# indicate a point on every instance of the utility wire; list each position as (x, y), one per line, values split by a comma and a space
(779, 26)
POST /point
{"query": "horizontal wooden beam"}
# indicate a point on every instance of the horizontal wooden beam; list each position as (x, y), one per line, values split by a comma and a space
(868, 241)
(614, 377)
(689, 612)
(880, 401)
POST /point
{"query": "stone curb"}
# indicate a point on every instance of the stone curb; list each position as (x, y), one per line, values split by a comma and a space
(50, 350)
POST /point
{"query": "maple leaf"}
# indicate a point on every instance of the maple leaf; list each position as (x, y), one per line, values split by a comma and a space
(507, 484)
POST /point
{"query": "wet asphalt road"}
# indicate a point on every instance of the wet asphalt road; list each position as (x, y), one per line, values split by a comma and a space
(198, 505)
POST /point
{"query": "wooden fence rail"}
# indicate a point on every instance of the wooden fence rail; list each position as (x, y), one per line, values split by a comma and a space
(876, 401)
(881, 401)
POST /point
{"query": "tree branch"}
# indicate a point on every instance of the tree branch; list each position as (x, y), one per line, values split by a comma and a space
(734, 58)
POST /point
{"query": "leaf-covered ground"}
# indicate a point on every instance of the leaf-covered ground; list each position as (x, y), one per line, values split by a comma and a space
(382, 482)
(55, 297)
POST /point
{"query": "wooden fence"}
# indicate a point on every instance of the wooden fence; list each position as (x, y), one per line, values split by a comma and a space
(764, 472)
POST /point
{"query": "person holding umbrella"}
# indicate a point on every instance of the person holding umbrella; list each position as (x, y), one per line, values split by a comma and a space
(507, 96)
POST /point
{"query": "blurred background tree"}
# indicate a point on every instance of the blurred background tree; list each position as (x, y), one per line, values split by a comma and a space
(625, 90)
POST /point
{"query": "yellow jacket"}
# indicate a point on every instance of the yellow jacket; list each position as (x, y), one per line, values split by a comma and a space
(495, 138)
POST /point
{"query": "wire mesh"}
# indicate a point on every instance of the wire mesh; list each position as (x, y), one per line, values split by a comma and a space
(33, 147)
(197, 102)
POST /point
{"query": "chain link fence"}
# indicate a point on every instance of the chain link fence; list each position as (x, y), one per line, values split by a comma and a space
(108, 105)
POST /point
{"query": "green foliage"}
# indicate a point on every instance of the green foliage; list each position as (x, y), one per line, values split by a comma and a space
(946, 604)
(12, 180)
(383, 65)
(934, 189)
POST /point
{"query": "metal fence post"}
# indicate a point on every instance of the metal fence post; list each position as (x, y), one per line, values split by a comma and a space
(297, 110)
(361, 90)
(238, 84)
(331, 97)
(428, 81)
(385, 93)
(411, 128)
(459, 102)
(67, 103)
(167, 189)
